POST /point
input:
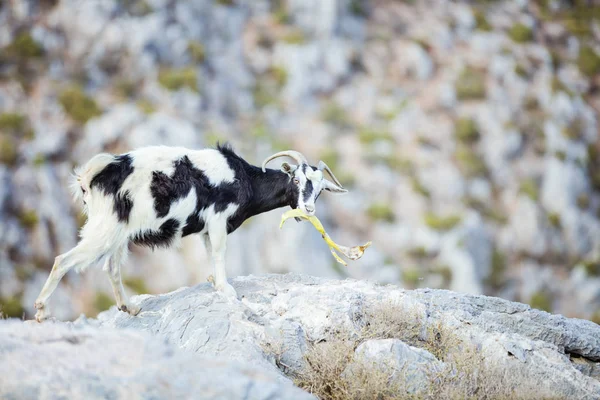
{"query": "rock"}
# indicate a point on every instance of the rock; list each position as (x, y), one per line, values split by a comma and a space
(179, 334)
(68, 363)
(397, 360)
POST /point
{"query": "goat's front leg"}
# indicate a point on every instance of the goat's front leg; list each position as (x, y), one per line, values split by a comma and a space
(217, 246)
(113, 268)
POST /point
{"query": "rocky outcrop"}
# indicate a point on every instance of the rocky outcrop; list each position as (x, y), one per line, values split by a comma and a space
(194, 341)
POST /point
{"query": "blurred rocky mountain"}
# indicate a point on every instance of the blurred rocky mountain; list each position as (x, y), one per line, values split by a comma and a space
(467, 133)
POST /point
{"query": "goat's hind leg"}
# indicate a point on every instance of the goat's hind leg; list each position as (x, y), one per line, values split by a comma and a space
(80, 256)
(113, 268)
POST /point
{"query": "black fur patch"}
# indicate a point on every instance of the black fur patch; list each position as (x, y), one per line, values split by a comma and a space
(193, 224)
(110, 180)
(256, 191)
(161, 238)
(123, 206)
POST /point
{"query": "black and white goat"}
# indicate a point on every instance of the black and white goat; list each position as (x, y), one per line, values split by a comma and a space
(154, 196)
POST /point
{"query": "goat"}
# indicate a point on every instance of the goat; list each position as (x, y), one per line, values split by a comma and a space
(154, 196)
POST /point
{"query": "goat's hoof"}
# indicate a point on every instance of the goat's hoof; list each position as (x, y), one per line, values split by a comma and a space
(41, 314)
(130, 309)
(227, 290)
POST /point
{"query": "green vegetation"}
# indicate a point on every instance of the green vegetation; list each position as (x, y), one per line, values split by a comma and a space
(596, 317)
(103, 301)
(280, 75)
(583, 201)
(178, 78)
(466, 130)
(295, 36)
(440, 223)
(529, 188)
(481, 23)
(470, 85)
(126, 88)
(136, 284)
(411, 276)
(370, 135)
(561, 155)
(521, 71)
(11, 307)
(358, 8)
(335, 114)
(496, 278)
(418, 252)
(469, 162)
(28, 218)
(445, 272)
(197, 52)
(541, 300)
(531, 104)
(558, 86)
(263, 94)
(24, 47)
(12, 122)
(226, 2)
(381, 212)
(8, 150)
(146, 106)
(520, 33)
(418, 187)
(588, 61)
(280, 12)
(592, 268)
(79, 106)
(554, 220)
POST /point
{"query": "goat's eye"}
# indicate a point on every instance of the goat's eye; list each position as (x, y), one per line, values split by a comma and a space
(296, 181)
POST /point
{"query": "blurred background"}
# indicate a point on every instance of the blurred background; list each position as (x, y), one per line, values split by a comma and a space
(467, 133)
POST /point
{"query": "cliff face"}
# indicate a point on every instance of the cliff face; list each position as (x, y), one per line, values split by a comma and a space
(345, 335)
(467, 133)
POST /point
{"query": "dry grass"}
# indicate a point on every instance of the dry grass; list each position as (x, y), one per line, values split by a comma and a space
(334, 372)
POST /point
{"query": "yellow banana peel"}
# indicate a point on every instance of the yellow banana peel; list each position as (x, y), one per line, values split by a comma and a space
(353, 253)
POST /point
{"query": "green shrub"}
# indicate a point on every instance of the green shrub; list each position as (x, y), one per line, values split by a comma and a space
(370, 135)
(136, 284)
(469, 162)
(126, 88)
(440, 223)
(481, 23)
(583, 201)
(496, 277)
(196, 50)
(560, 154)
(12, 122)
(541, 300)
(529, 188)
(418, 187)
(418, 252)
(103, 301)
(28, 218)
(331, 157)
(588, 61)
(226, 2)
(11, 307)
(381, 212)
(24, 47)
(280, 75)
(146, 106)
(554, 220)
(411, 276)
(521, 71)
(558, 86)
(470, 85)
(8, 150)
(335, 114)
(179, 78)
(466, 130)
(358, 8)
(78, 105)
(295, 36)
(592, 268)
(520, 33)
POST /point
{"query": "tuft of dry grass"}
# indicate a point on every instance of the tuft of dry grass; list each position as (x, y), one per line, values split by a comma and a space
(333, 371)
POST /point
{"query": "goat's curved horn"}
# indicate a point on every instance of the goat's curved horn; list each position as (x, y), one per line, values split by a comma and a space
(297, 156)
(324, 167)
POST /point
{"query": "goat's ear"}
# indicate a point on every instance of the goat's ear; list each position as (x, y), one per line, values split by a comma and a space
(288, 169)
(332, 187)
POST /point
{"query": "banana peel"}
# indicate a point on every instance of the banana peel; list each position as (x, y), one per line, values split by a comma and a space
(353, 253)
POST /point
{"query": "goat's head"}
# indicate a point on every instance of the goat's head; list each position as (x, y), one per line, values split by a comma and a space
(307, 181)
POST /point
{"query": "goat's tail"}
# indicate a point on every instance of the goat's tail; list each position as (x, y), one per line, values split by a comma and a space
(82, 176)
